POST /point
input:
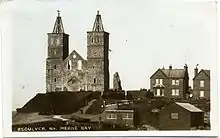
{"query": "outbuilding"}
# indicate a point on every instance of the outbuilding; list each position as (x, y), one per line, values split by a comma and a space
(180, 116)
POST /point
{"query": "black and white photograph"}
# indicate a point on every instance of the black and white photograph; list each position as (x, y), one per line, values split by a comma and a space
(146, 66)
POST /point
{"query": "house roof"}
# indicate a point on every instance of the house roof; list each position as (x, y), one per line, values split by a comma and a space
(206, 72)
(189, 107)
(120, 111)
(174, 73)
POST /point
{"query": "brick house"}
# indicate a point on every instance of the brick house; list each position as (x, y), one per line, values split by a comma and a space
(201, 84)
(180, 116)
(171, 83)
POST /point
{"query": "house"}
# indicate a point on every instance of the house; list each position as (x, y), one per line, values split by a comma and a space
(171, 83)
(120, 117)
(180, 116)
(201, 84)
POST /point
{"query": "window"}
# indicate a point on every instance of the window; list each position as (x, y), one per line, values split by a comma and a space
(174, 116)
(94, 80)
(93, 66)
(79, 64)
(157, 81)
(158, 92)
(201, 94)
(175, 82)
(175, 92)
(94, 89)
(55, 80)
(55, 67)
(162, 94)
(97, 39)
(112, 116)
(161, 81)
(51, 41)
(202, 83)
(74, 56)
(128, 116)
(69, 64)
(55, 52)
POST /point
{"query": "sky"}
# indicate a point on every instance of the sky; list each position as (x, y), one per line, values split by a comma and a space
(144, 36)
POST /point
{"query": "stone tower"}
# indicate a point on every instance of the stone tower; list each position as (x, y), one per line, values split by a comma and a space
(97, 57)
(58, 50)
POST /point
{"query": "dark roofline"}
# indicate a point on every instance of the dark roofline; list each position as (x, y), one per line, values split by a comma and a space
(156, 72)
(97, 32)
(77, 55)
(202, 70)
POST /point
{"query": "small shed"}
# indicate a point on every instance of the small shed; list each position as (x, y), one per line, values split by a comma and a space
(180, 116)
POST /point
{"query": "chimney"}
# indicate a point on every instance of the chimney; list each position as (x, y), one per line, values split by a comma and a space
(196, 71)
(186, 67)
(170, 67)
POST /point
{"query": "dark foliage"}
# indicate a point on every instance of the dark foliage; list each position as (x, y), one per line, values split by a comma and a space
(149, 95)
(136, 94)
(114, 95)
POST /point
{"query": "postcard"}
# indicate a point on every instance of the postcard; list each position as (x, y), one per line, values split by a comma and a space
(119, 68)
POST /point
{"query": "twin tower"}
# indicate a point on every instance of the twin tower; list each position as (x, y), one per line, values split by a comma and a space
(69, 71)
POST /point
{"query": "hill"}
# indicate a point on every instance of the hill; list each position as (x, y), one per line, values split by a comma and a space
(58, 102)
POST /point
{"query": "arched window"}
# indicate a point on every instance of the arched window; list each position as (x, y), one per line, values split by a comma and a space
(97, 39)
(94, 80)
(69, 64)
(55, 67)
(79, 64)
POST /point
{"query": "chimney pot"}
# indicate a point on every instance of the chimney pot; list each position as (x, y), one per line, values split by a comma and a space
(170, 67)
(195, 71)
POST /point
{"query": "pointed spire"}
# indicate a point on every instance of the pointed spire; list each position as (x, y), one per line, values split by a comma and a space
(98, 23)
(58, 27)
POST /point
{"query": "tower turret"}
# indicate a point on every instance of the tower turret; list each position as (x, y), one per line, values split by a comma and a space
(58, 50)
(97, 56)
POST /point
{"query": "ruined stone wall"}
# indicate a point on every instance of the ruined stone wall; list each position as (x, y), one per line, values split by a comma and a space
(75, 71)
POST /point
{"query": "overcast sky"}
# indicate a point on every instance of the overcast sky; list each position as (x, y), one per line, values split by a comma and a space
(144, 35)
